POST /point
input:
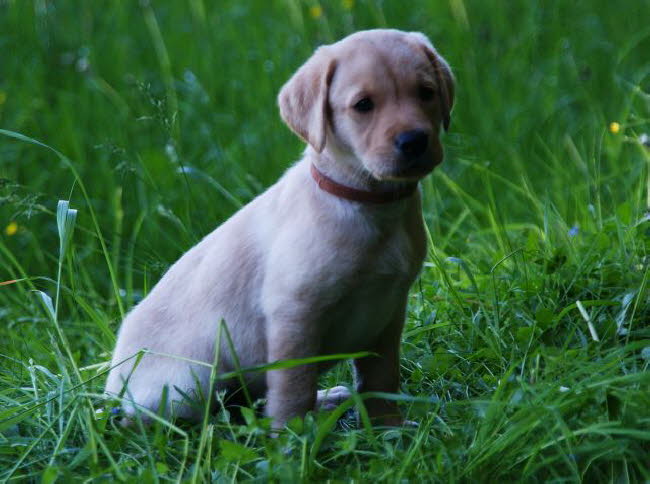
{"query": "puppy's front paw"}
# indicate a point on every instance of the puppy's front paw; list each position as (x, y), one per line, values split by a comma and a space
(331, 398)
(410, 424)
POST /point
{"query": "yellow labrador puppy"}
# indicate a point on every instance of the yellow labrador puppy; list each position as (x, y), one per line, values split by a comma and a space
(321, 262)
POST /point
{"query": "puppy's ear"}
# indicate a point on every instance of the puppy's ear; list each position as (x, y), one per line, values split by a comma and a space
(303, 100)
(444, 77)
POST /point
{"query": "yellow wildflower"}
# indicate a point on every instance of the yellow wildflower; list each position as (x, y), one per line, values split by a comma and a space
(3, 97)
(614, 127)
(11, 229)
(347, 4)
(316, 11)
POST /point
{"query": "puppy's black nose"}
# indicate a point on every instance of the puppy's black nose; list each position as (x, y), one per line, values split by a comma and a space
(412, 143)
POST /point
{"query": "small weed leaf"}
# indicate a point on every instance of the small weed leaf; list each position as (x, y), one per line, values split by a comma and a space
(235, 452)
(49, 475)
(47, 300)
(544, 317)
(65, 220)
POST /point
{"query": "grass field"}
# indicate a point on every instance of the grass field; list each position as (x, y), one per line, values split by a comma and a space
(527, 344)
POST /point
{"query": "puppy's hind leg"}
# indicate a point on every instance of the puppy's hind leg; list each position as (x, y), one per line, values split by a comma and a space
(161, 382)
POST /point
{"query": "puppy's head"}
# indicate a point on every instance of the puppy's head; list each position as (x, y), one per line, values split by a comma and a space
(380, 96)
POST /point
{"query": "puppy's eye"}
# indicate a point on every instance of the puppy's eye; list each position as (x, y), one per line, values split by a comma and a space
(426, 93)
(364, 105)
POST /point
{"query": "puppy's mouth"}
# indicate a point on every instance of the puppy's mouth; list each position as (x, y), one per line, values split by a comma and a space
(407, 170)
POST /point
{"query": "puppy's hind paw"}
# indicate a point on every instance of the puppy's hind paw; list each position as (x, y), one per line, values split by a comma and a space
(331, 398)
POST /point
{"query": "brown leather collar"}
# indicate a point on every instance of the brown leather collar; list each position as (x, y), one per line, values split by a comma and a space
(330, 186)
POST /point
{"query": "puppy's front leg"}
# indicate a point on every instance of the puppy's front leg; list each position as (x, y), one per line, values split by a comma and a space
(381, 373)
(291, 391)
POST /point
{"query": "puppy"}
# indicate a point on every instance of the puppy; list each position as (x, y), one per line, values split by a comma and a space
(320, 263)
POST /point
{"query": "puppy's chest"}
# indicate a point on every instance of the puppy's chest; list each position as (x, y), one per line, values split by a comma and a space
(400, 257)
(355, 321)
(373, 296)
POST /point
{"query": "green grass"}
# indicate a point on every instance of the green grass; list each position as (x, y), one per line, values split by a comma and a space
(527, 343)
